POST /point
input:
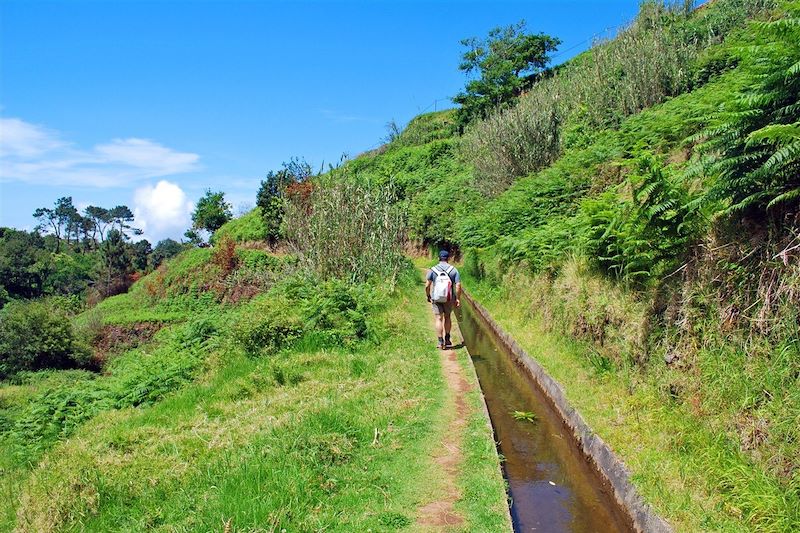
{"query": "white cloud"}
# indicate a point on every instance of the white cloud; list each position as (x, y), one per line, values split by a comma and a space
(162, 210)
(34, 154)
(144, 154)
(21, 139)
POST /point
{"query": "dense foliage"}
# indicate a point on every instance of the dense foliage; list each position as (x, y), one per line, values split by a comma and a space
(754, 143)
(656, 57)
(90, 255)
(507, 62)
(271, 195)
(38, 335)
(348, 228)
(211, 212)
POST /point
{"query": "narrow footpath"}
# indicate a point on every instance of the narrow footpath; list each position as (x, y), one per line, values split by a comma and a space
(442, 513)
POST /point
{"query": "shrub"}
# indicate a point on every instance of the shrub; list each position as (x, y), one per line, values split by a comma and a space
(70, 273)
(339, 310)
(258, 260)
(543, 247)
(147, 379)
(267, 327)
(638, 240)
(58, 411)
(530, 202)
(224, 257)
(35, 335)
(254, 273)
(165, 249)
(518, 141)
(197, 332)
(68, 304)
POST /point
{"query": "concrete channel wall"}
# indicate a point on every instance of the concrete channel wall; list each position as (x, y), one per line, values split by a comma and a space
(610, 468)
(488, 419)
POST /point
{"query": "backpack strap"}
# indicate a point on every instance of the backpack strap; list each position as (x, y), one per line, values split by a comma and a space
(449, 269)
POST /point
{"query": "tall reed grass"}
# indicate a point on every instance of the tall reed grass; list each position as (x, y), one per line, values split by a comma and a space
(649, 61)
(348, 228)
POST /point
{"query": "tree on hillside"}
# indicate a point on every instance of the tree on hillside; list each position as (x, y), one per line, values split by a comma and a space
(270, 200)
(140, 253)
(505, 63)
(87, 233)
(121, 216)
(193, 237)
(271, 194)
(64, 222)
(36, 335)
(164, 250)
(73, 223)
(22, 264)
(59, 220)
(100, 220)
(115, 265)
(212, 212)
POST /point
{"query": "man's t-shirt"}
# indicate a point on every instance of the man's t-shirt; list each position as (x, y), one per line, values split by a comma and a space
(455, 277)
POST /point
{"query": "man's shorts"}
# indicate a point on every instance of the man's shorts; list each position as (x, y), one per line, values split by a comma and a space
(442, 309)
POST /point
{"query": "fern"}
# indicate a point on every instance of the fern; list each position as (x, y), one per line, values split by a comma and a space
(752, 147)
(639, 240)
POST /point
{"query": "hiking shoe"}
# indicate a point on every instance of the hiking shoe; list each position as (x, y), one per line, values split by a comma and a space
(448, 345)
(440, 345)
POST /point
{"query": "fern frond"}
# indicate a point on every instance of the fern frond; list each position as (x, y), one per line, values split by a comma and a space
(775, 133)
(791, 110)
(789, 196)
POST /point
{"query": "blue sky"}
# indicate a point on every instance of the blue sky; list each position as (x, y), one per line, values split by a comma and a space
(149, 103)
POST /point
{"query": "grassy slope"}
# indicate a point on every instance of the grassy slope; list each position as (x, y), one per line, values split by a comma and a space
(712, 439)
(309, 438)
(694, 476)
(248, 227)
(716, 442)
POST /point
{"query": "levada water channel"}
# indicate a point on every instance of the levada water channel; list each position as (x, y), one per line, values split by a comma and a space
(552, 486)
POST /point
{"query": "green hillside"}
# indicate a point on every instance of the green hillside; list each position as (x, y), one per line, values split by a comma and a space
(238, 390)
(632, 218)
(639, 234)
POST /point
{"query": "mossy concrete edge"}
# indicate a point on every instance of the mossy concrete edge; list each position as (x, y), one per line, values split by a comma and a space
(610, 468)
(488, 420)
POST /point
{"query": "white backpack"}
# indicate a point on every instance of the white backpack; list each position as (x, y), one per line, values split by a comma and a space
(442, 285)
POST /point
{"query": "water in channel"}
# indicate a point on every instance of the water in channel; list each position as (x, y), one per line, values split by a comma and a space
(551, 485)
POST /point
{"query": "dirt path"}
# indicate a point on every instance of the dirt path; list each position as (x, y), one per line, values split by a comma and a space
(441, 513)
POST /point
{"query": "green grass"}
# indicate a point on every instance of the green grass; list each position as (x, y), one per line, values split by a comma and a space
(246, 228)
(316, 436)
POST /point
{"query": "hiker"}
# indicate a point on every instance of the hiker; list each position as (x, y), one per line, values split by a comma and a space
(443, 289)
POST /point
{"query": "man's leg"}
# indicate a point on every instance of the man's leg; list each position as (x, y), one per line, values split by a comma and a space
(448, 323)
(437, 314)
